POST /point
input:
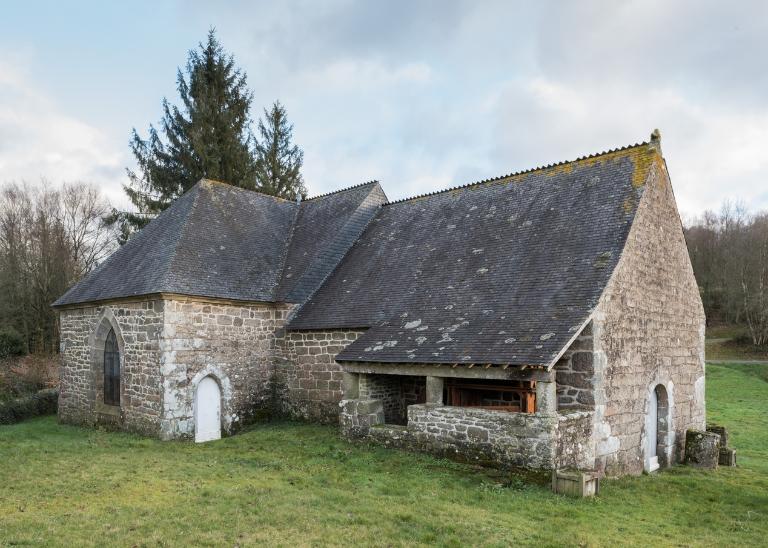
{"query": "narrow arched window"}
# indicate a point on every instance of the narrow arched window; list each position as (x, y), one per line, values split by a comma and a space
(111, 370)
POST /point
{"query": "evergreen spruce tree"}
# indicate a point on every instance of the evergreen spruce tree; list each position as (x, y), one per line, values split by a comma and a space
(208, 136)
(278, 160)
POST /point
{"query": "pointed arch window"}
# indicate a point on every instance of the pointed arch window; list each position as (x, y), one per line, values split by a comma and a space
(111, 370)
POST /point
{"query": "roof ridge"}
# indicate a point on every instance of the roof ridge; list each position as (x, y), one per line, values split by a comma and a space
(349, 248)
(179, 236)
(523, 172)
(341, 190)
(253, 191)
(286, 251)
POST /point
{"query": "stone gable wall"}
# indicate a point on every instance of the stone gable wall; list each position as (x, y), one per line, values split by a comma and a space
(307, 378)
(648, 330)
(138, 329)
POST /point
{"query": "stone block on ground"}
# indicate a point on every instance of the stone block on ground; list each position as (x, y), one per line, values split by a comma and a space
(702, 449)
(727, 457)
(721, 431)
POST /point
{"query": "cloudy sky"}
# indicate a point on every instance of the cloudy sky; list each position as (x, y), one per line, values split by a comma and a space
(419, 95)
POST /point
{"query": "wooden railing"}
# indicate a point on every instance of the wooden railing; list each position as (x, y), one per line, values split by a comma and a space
(492, 395)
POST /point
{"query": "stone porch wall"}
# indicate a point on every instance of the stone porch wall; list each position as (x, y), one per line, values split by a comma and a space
(234, 342)
(138, 327)
(308, 381)
(648, 330)
(575, 374)
(493, 438)
(396, 393)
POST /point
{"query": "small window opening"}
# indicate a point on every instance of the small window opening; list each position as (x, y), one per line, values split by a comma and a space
(111, 370)
(512, 396)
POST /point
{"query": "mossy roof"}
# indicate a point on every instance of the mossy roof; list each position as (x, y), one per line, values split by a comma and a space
(505, 271)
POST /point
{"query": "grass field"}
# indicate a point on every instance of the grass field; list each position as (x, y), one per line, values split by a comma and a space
(295, 484)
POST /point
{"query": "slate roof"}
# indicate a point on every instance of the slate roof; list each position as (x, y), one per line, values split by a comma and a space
(326, 227)
(214, 241)
(225, 242)
(505, 271)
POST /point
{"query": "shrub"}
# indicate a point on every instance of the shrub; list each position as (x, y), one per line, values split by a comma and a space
(11, 343)
(44, 402)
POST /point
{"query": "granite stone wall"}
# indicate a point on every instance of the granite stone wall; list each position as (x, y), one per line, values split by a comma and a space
(235, 343)
(575, 374)
(574, 442)
(495, 438)
(138, 327)
(167, 346)
(648, 329)
(307, 378)
(396, 393)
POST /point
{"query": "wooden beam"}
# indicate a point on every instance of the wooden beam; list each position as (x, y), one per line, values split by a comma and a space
(455, 370)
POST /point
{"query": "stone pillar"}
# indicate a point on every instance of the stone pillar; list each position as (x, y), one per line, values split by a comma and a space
(350, 383)
(364, 385)
(357, 417)
(435, 390)
(546, 397)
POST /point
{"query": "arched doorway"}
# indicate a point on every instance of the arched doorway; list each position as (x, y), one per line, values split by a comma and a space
(657, 425)
(207, 410)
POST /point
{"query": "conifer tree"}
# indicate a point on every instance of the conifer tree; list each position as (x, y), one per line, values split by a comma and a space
(209, 135)
(278, 160)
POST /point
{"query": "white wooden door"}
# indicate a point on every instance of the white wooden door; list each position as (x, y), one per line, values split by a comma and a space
(653, 430)
(207, 410)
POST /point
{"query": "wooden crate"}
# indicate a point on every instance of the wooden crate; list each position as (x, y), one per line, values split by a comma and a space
(575, 483)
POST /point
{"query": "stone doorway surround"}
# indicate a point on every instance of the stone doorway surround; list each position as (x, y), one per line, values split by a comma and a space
(659, 434)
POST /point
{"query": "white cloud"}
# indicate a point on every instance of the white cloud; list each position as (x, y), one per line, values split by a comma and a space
(39, 140)
(714, 150)
(428, 95)
(355, 75)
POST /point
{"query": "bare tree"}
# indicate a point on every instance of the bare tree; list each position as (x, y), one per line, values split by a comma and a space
(49, 239)
(753, 263)
(729, 254)
(91, 240)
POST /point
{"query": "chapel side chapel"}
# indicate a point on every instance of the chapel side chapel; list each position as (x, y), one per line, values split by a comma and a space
(546, 319)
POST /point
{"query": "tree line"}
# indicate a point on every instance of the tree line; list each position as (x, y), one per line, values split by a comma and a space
(729, 254)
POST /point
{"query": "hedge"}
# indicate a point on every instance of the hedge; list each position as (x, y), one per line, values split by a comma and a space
(44, 402)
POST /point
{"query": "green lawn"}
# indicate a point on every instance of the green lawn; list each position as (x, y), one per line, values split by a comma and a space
(295, 484)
